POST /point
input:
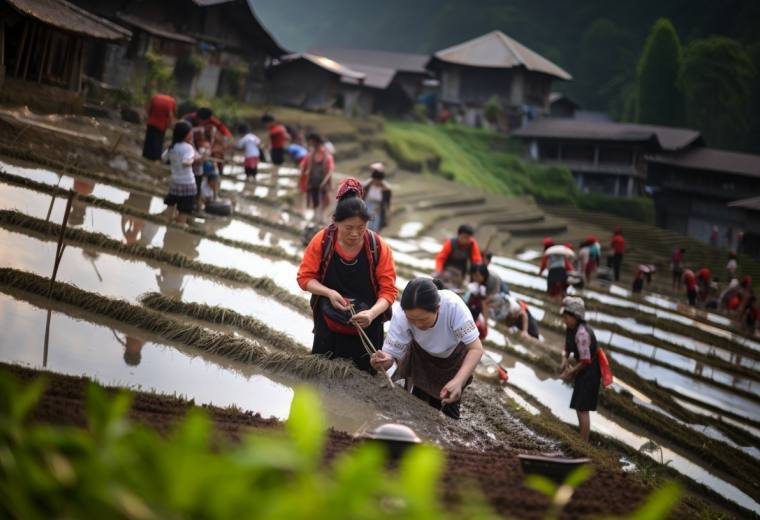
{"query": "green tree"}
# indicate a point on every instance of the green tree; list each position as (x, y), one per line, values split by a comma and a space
(753, 134)
(660, 100)
(605, 63)
(492, 109)
(717, 79)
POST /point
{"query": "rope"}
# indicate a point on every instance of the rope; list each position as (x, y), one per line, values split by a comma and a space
(367, 343)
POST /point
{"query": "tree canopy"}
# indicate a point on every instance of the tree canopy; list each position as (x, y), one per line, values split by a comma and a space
(717, 79)
(659, 97)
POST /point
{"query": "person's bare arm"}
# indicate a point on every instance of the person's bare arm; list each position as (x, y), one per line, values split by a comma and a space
(317, 288)
(452, 391)
(365, 318)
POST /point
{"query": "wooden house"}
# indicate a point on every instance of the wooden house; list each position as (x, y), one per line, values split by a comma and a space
(215, 47)
(317, 83)
(703, 187)
(393, 80)
(561, 106)
(604, 157)
(47, 44)
(495, 65)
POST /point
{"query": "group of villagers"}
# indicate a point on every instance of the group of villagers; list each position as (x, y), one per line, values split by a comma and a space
(433, 342)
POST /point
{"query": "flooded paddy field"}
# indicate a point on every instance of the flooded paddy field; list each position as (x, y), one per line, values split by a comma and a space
(83, 344)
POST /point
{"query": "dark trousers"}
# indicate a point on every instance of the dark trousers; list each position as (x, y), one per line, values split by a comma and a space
(153, 144)
(617, 261)
(691, 294)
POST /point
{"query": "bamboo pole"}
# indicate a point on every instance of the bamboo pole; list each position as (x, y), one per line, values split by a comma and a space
(47, 338)
(30, 50)
(21, 48)
(61, 246)
(58, 255)
(2, 43)
(45, 49)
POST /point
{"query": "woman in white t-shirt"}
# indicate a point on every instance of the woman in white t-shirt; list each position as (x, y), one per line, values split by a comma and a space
(434, 340)
(250, 144)
(181, 155)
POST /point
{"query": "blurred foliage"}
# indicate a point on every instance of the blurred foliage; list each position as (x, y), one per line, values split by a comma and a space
(492, 109)
(119, 469)
(717, 76)
(659, 97)
(479, 158)
(640, 209)
(159, 75)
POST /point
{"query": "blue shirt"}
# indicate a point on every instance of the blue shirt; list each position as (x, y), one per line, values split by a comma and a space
(297, 152)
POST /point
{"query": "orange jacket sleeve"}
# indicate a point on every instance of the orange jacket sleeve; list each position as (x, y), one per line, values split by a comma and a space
(475, 256)
(440, 259)
(385, 272)
(312, 257)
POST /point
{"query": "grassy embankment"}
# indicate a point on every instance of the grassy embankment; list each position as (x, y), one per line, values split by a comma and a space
(493, 163)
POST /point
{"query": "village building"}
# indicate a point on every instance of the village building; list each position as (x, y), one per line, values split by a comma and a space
(703, 187)
(395, 81)
(604, 157)
(215, 48)
(495, 66)
(45, 47)
(317, 83)
(562, 106)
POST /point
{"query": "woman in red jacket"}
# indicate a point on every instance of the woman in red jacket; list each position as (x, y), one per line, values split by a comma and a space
(346, 264)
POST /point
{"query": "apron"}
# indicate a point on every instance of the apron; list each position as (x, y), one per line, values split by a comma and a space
(427, 372)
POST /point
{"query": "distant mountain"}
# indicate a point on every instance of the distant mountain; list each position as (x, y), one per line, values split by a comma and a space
(597, 41)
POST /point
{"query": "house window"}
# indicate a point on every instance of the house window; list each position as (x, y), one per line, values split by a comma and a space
(578, 152)
(548, 150)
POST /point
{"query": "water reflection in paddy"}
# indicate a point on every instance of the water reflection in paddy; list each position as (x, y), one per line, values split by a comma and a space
(122, 356)
(554, 394)
(126, 359)
(117, 277)
(84, 186)
(697, 390)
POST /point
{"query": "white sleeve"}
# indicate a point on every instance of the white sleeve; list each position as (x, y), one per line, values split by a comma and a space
(188, 154)
(461, 323)
(399, 335)
(241, 143)
(165, 156)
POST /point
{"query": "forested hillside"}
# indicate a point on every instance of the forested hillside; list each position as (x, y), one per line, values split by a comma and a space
(598, 41)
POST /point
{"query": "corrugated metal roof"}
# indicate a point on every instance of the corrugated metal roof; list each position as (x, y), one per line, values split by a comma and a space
(154, 29)
(326, 64)
(711, 159)
(669, 139)
(558, 96)
(399, 61)
(497, 50)
(71, 18)
(374, 77)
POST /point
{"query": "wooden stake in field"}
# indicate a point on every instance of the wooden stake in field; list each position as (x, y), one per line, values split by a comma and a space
(56, 262)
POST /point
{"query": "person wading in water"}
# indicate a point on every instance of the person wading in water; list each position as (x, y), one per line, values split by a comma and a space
(457, 255)
(434, 340)
(345, 264)
(580, 342)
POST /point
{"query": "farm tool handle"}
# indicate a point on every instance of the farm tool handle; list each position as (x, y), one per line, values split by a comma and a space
(367, 343)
